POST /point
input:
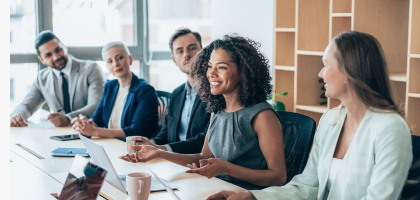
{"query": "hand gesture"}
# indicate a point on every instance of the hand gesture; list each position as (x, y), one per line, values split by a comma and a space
(17, 121)
(59, 119)
(231, 195)
(84, 126)
(208, 167)
(145, 154)
(140, 141)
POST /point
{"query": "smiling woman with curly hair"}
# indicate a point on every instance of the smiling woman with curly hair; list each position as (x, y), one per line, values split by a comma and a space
(244, 141)
(254, 83)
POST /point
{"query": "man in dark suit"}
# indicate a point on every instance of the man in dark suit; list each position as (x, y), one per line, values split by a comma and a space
(185, 125)
(68, 85)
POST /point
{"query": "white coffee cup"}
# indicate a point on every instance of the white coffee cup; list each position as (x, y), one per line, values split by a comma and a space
(138, 185)
(128, 142)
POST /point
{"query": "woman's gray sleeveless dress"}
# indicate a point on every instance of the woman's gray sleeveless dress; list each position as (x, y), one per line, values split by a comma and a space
(233, 140)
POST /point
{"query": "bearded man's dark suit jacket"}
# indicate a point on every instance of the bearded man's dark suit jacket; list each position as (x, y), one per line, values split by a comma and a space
(197, 127)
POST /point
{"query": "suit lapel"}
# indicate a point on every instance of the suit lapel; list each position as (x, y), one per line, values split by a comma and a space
(179, 104)
(195, 105)
(74, 76)
(332, 142)
(130, 98)
(51, 80)
(110, 104)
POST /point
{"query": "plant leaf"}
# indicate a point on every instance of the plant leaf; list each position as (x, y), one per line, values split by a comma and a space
(283, 94)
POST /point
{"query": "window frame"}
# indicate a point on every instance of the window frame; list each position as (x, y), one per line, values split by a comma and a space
(44, 21)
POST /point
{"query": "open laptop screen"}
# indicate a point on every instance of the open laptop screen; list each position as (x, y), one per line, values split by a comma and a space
(84, 180)
(99, 156)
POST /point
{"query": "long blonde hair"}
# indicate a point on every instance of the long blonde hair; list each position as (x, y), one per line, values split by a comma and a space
(361, 59)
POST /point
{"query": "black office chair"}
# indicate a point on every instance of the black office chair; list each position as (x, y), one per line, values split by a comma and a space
(298, 135)
(163, 99)
(412, 185)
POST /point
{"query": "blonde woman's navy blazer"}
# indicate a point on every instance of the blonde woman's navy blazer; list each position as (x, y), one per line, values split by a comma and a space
(139, 116)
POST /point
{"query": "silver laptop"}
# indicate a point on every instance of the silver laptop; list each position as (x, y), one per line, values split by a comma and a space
(169, 189)
(99, 157)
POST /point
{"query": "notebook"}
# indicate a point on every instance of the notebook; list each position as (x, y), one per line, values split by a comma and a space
(70, 152)
(84, 180)
(99, 156)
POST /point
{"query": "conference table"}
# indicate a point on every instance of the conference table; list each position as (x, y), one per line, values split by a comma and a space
(35, 174)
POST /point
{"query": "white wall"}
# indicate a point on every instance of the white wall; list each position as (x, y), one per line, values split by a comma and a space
(249, 18)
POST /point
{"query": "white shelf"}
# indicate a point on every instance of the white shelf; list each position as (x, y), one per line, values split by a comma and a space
(341, 15)
(310, 53)
(414, 55)
(399, 77)
(415, 95)
(285, 29)
(284, 68)
(312, 108)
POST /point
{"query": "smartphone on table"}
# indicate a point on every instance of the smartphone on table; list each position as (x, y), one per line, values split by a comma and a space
(65, 137)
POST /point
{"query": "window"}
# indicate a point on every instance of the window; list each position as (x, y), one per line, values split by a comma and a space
(21, 78)
(165, 16)
(165, 75)
(84, 26)
(93, 22)
(22, 26)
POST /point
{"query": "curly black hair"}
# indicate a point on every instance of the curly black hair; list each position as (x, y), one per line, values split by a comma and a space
(254, 84)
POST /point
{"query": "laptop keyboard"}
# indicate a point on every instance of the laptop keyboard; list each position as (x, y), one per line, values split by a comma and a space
(155, 186)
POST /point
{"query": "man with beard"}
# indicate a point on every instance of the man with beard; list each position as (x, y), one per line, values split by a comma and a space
(184, 129)
(68, 85)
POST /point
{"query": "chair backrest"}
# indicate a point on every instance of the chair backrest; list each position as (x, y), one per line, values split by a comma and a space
(298, 135)
(163, 100)
(412, 185)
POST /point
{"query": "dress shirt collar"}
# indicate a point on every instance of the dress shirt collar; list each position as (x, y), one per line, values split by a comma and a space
(66, 70)
(191, 90)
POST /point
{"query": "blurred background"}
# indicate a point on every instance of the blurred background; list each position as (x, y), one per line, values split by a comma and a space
(84, 26)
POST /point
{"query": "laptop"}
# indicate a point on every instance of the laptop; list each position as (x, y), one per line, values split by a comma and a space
(169, 189)
(99, 156)
(84, 181)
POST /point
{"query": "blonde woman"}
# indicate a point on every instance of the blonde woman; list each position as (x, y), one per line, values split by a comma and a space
(128, 106)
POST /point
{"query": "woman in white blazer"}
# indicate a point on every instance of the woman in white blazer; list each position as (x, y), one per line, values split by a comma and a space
(362, 149)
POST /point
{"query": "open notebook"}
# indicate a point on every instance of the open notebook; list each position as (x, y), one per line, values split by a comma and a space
(84, 181)
(99, 156)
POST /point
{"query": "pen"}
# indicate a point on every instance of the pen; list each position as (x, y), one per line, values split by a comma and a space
(59, 110)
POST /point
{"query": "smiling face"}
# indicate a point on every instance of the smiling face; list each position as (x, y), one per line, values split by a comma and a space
(53, 54)
(118, 62)
(334, 79)
(222, 73)
(184, 49)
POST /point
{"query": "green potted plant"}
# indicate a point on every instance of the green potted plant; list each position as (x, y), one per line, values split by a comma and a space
(278, 105)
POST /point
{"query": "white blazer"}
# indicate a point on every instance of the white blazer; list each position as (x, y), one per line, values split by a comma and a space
(375, 166)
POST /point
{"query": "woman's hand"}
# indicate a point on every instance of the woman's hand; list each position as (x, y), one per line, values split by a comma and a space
(141, 141)
(84, 126)
(232, 195)
(77, 123)
(145, 154)
(208, 167)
